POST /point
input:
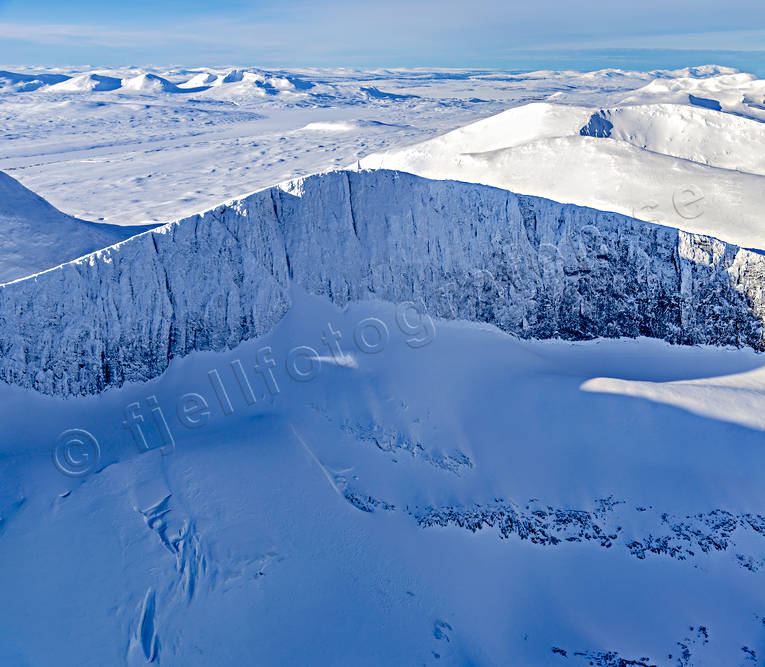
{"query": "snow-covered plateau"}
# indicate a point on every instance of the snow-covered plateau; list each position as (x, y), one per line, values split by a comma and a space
(490, 395)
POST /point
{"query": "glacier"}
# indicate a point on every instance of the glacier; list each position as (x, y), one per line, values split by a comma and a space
(532, 267)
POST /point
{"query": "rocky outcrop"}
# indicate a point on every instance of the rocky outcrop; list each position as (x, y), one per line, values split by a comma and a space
(533, 267)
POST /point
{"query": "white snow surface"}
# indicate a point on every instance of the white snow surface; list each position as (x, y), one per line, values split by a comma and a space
(152, 152)
(304, 527)
(738, 93)
(696, 169)
(34, 236)
(327, 429)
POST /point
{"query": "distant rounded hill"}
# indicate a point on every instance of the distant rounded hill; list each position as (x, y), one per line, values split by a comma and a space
(87, 82)
(149, 83)
(686, 166)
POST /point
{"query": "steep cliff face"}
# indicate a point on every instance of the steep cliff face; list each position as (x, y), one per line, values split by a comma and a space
(533, 267)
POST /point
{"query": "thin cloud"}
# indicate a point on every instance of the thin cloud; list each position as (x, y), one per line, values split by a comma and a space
(340, 32)
(83, 34)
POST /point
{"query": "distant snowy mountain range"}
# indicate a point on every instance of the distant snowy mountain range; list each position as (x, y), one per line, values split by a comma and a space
(141, 146)
(149, 82)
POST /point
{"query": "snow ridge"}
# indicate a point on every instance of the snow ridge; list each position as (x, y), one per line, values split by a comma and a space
(530, 266)
(35, 236)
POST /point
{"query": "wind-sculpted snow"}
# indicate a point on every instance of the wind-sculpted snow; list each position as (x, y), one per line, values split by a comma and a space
(530, 266)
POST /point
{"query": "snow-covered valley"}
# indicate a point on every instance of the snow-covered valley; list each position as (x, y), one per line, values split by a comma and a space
(491, 395)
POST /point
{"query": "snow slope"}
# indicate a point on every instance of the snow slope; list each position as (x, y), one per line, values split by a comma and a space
(699, 135)
(738, 93)
(90, 81)
(531, 266)
(35, 236)
(17, 82)
(149, 83)
(695, 169)
(468, 501)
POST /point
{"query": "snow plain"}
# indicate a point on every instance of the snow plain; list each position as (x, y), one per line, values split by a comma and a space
(457, 496)
(127, 156)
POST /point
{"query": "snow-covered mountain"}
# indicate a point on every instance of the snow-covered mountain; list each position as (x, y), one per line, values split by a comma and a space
(22, 83)
(89, 81)
(532, 267)
(35, 236)
(738, 93)
(458, 496)
(148, 83)
(693, 168)
(367, 417)
(699, 135)
(238, 82)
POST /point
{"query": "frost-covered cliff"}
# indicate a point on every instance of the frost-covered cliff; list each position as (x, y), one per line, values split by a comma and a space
(531, 266)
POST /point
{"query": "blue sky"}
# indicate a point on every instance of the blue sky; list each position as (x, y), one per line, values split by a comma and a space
(482, 33)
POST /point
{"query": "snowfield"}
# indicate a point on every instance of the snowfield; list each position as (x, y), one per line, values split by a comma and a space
(491, 395)
(126, 156)
(695, 169)
(34, 236)
(333, 520)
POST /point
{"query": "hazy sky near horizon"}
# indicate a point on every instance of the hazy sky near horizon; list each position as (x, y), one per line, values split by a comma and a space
(481, 33)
